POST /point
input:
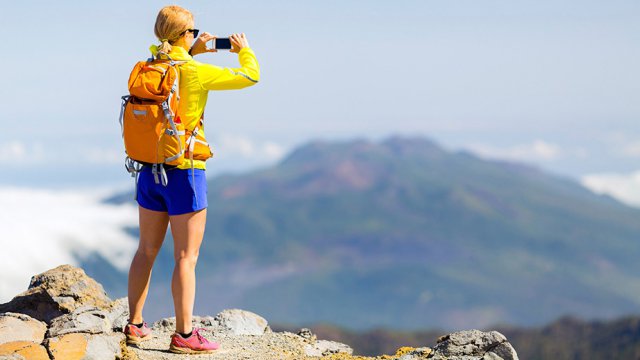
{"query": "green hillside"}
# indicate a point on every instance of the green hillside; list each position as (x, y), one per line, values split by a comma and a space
(402, 233)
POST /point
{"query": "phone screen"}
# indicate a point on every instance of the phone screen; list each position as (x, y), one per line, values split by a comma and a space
(222, 44)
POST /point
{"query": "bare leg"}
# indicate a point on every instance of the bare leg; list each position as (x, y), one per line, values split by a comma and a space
(187, 230)
(153, 227)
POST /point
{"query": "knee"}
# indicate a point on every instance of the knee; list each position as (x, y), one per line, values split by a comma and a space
(148, 252)
(186, 259)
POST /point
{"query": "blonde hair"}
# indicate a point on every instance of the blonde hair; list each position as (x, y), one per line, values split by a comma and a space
(172, 21)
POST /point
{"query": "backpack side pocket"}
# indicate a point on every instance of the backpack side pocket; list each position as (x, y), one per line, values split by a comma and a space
(142, 125)
(172, 143)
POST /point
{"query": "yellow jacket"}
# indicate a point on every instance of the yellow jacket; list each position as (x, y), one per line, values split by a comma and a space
(196, 79)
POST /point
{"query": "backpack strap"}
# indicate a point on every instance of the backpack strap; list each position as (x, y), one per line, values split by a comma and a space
(159, 174)
(134, 168)
(191, 143)
(125, 100)
(175, 91)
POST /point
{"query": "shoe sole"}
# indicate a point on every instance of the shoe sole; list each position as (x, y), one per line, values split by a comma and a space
(135, 340)
(181, 350)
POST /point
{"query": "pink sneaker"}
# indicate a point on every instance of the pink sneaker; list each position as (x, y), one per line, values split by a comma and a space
(135, 334)
(194, 344)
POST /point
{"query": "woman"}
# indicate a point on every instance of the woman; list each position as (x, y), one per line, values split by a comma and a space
(182, 202)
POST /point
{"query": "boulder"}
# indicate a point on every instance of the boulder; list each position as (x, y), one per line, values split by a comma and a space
(306, 334)
(57, 292)
(410, 353)
(67, 315)
(85, 346)
(20, 327)
(326, 347)
(118, 315)
(82, 320)
(241, 322)
(68, 346)
(474, 345)
(105, 346)
(23, 350)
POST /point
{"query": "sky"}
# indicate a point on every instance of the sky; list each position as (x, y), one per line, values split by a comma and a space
(551, 83)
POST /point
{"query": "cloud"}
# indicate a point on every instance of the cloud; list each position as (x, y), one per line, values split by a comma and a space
(623, 187)
(13, 149)
(273, 151)
(29, 154)
(232, 145)
(43, 229)
(98, 155)
(631, 149)
(538, 150)
(16, 151)
(622, 144)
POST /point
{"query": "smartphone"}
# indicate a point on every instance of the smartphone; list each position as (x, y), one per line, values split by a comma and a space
(221, 44)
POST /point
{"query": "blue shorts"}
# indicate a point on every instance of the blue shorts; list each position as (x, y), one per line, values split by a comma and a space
(178, 197)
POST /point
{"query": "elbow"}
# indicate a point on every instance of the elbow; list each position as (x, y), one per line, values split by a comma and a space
(253, 76)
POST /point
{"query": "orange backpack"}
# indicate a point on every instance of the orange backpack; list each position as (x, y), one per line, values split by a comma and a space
(152, 132)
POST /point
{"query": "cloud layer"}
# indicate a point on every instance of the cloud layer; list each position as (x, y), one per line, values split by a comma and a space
(44, 228)
(624, 187)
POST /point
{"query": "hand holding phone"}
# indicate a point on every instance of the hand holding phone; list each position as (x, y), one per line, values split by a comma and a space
(238, 42)
(221, 44)
(199, 46)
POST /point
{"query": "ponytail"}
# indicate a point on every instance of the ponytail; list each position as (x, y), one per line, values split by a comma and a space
(165, 46)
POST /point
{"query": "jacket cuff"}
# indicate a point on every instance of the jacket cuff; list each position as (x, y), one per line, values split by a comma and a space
(245, 49)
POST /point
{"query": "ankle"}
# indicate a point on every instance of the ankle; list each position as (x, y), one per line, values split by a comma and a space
(137, 323)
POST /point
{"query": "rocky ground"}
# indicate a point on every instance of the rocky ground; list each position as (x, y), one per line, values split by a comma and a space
(67, 315)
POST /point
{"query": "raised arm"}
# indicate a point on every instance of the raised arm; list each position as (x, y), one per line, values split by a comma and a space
(218, 78)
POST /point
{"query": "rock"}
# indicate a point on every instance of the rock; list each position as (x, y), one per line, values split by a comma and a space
(67, 347)
(57, 292)
(306, 334)
(491, 356)
(83, 323)
(169, 324)
(474, 345)
(118, 316)
(85, 346)
(241, 322)
(326, 347)
(166, 324)
(407, 353)
(82, 320)
(105, 346)
(503, 351)
(20, 327)
(23, 350)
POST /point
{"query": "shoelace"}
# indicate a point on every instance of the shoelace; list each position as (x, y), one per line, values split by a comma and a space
(196, 331)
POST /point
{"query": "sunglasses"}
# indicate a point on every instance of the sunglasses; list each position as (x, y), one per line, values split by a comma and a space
(194, 31)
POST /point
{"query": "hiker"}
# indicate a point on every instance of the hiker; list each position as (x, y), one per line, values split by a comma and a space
(181, 198)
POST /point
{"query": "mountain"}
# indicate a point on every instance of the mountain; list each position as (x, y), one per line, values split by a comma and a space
(403, 233)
